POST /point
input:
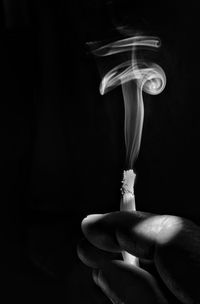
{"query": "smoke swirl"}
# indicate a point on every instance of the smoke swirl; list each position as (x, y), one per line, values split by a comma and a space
(135, 76)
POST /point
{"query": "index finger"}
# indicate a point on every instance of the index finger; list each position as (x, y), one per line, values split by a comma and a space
(135, 232)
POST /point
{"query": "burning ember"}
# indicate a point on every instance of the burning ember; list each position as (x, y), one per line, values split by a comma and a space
(135, 76)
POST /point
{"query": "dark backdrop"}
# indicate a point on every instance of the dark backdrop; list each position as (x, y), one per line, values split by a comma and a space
(62, 145)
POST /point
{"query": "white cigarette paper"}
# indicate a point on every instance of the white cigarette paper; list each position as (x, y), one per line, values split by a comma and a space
(128, 204)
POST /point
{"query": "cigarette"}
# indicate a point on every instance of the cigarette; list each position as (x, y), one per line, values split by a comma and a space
(128, 204)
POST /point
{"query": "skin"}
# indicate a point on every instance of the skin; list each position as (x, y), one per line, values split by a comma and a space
(170, 243)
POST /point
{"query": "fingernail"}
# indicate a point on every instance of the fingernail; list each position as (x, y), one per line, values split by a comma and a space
(101, 282)
(106, 289)
(95, 275)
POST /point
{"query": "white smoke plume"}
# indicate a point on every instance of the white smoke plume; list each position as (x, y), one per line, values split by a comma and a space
(135, 76)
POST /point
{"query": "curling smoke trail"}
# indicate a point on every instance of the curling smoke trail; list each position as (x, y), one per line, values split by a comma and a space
(135, 76)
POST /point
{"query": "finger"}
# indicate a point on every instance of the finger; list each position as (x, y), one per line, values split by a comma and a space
(134, 286)
(94, 257)
(100, 229)
(97, 258)
(135, 232)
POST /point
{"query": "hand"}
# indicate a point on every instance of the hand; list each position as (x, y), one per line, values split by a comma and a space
(170, 242)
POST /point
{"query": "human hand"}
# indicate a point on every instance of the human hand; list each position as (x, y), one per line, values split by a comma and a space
(170, 242)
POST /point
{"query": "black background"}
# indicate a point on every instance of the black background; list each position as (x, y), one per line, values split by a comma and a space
(62, 145)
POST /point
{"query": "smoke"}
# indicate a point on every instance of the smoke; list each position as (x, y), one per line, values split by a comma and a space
(135, 76)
